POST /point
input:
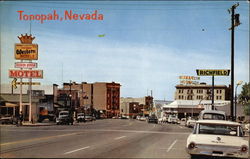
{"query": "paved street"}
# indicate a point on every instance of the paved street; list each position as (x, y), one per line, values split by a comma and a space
(110, 138)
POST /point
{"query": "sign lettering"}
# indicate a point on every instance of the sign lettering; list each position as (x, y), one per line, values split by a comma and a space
(26, 51)
(25, 65)
(212, 72)
(26, 73)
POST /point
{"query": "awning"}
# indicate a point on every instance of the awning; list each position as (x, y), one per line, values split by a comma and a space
(9, 105)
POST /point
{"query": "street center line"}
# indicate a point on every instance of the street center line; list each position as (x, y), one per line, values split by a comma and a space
(76, 150)
(119, 137)
(170, 147)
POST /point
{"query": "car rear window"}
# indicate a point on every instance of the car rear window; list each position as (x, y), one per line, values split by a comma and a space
(213, 116)
(229, 130)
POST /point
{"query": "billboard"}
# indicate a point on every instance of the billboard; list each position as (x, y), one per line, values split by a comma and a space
(212, 72)
(26, 51)
(26, 73)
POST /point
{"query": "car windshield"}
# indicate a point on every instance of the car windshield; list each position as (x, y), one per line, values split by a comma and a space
(213, 116)
(229, 130)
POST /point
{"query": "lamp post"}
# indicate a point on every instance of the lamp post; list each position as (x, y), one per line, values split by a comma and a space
(235, 99)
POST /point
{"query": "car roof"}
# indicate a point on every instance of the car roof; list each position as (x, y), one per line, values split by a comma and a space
(213, 111)
(223, 122)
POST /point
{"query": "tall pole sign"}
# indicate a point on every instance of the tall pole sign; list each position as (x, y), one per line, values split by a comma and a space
(25, 52)
(212, 73)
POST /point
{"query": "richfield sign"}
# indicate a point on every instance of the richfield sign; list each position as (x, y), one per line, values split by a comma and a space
(212, 72)
(26, 51)
(25, 65)
(26, 73)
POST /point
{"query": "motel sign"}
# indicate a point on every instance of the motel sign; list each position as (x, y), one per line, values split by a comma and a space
(26, 73)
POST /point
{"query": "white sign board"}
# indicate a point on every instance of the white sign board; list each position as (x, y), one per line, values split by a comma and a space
(25, 65)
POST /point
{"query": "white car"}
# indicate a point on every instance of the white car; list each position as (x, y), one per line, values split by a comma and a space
(190, 123)
(217, 138)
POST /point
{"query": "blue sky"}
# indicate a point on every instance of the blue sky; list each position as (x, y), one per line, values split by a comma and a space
(147, 45)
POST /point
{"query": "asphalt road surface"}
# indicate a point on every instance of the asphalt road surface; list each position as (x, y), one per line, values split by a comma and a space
(109, 138)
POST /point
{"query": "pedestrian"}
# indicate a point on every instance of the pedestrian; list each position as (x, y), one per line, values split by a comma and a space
(17, 119)
(21, 118)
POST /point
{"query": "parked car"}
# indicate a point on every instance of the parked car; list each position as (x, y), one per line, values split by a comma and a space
(217, 138)
(152, 119)
(80, 117)
(7, 120)
(212, 115)
(124, 117)
(64, 118)
(88, 118)
(143, 118)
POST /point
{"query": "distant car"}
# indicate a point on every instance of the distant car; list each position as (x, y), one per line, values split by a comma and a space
(173, 119)
(183, 121)
(124, 117)
(7, 120)
(80, 117)
(64, 118)
(247, 128)
(212, 115)
(138, 117)
(217, 138)
(190, 123)
(88, 118)
(152, 119)
(143, 118)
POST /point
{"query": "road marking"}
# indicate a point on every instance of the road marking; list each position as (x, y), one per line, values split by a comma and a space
(170, 147)
(119, 137)
(180, 127)
(76, 150)
(36, 139)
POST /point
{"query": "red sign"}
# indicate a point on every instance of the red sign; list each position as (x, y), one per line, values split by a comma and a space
(25, 65)
(26, 73)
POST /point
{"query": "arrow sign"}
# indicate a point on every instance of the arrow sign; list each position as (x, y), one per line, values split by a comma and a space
(13, 83)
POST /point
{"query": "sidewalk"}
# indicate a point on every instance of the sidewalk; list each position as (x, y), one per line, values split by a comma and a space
(37, 124)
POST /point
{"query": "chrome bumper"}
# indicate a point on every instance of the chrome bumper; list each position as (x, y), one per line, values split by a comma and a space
(218, 151)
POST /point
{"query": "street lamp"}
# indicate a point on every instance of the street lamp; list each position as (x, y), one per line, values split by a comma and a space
(235, 99)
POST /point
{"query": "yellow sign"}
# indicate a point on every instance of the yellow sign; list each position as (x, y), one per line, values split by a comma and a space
(13, 83)
(212, 72)
(27, 83)
(26, 51)
(189, 78)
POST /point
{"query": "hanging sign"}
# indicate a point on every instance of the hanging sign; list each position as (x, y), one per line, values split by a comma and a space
(25, 65)
(26, 51)
(26, 73)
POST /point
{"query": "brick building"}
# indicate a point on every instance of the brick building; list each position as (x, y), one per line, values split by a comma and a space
(100, 96)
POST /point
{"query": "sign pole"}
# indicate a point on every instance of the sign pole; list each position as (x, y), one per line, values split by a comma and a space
(212, 92)
(21, 93)
(30, 100)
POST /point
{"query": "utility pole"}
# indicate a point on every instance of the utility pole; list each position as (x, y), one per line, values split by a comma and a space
(234, 22)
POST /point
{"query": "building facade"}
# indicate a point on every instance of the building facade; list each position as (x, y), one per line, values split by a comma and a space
(201, 92)
(99, 96)
(136, 106)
